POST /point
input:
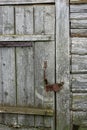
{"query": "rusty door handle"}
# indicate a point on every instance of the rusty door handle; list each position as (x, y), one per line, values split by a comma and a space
(51, 87)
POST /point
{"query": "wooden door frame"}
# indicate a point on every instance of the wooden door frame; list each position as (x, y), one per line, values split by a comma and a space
(62, 65)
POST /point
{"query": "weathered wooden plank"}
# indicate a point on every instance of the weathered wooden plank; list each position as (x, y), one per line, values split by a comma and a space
(78, 1)
(79, 82)
(62, 64)
(79, 64)
(81, 8)
(79, 24)
(78, 16)
(26, 37)
(44, 52)
(6, 20)
(80, 118)
(15, 44)
(26, 110)
(79, 32)
(79, 101)
(25, 82)
(79, 46)
(8, 81)
(24, 19)
(7, 2)
(44, 19)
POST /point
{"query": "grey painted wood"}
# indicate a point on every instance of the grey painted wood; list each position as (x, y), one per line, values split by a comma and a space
(44, 52)
(44, 19)
(79, 82)
(79, 46)
(79, 24)
(80, 118)
(62, 64)
(24, 19)
(6, 2)
(26, 37)
(6, 20)
(79, 32)
(79, 64)
(25, 83)
(81, 8)
(79, 101)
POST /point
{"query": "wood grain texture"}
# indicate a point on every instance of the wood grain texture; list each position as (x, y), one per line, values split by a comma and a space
(25, 83)
(78, 32)
(79, 64)
(79, 101)
(80, 118)
(62, 64)
(79, 46)
(26, 37)
(24, 19)
(78, 16)
(79, 24)
(78, 1)
(81, 8)
(44, 19)
(6, 20)
(44, 52)
(8, 82)
(10, 2)
(79, 82)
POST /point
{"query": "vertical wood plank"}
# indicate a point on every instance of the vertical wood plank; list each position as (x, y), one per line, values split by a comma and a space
(44, 19)
(44, 52)
(62, 64)
(8, 82)
(25, 83)
(24, 20)
(6, 20)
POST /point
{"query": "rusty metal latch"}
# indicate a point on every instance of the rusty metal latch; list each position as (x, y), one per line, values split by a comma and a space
(51, 87)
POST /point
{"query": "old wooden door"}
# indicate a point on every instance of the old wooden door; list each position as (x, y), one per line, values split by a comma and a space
(33, 33)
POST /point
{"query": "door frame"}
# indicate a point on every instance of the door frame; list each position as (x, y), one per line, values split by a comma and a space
(62, 65)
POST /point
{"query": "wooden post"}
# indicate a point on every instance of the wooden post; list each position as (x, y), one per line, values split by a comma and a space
(62, 65)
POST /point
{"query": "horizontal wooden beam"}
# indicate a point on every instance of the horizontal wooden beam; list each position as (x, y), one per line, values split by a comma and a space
(26, 110)
(26, 37)
(78, 1)
(80, 118)
(4, 2)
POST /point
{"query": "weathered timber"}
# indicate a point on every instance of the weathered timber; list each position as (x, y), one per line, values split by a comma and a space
(79, 82)
(26, 37)
(44, 52)
(78, 16)
(6, 20)
(15, 44)
(78, 1)
(80, 118)
(78, 32)
(44, 19)
(79, 64)
(62, 64)
(79, 24)
(26, 110)
(24, 20)
(79, 45)
(79, 101)
(10, 2)
(25, 82)
(81, 8)
(8, 81)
